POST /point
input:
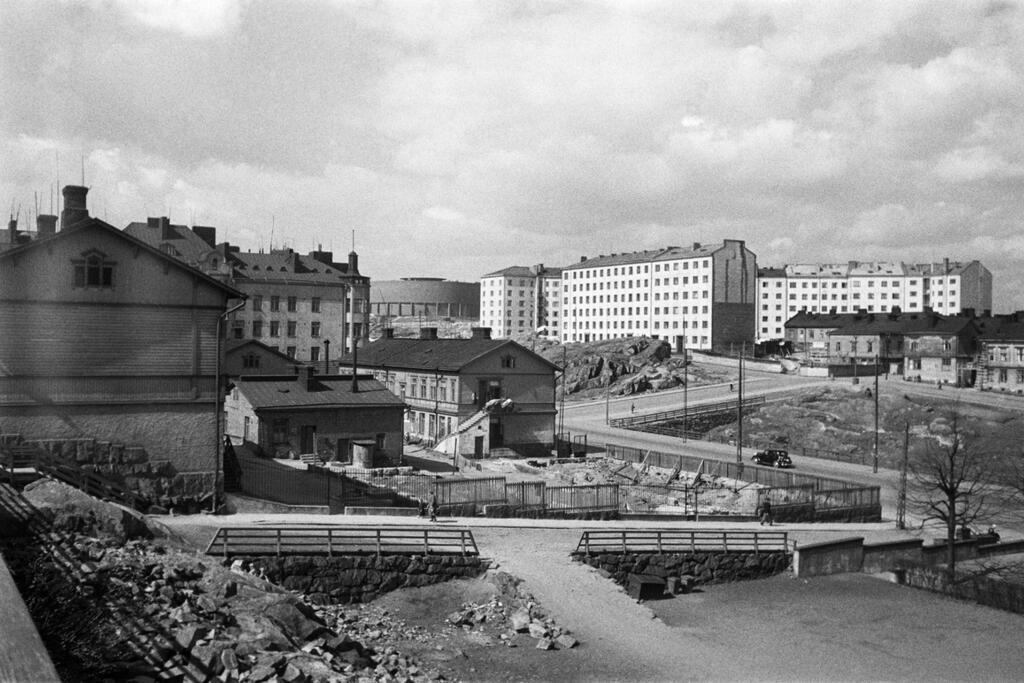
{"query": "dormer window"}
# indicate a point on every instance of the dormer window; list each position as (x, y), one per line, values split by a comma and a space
(94, 270)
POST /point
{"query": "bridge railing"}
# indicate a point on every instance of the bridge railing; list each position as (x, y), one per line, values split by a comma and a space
(347, 540)
(691, 411)
(681, 541)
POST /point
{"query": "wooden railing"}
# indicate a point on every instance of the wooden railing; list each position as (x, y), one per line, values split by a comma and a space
(347, 540)
(681, 541)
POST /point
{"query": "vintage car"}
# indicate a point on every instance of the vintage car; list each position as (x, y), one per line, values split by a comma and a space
(773, 457)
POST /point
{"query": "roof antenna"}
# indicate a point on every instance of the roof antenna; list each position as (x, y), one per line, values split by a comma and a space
(56, 155)
(83, 169)
(273, 223)
(353, 240)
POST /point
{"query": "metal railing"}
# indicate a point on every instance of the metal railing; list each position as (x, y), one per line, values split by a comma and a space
(348, 540)
(681, 541)
(690, 412)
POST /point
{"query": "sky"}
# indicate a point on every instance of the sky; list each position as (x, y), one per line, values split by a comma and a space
(453, 138)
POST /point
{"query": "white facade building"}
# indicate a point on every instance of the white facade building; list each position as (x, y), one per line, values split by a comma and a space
(519, 301)
(876, 287)
(701, 297)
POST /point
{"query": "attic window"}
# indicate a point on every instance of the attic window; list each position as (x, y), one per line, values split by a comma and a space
(508, 361)
(94, 270)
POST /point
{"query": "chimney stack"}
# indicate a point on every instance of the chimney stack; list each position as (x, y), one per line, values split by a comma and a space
(696, 246)
(12, 230)
(353, 263)
(46, 224)
(428, 333)
(207, 233)
(327, 356)
(75, 209)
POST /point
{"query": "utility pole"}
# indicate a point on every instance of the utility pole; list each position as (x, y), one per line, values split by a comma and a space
(874, 466)
(686, 388)
(901, 495)
(561, 409)
(607, 400)
(739, 410)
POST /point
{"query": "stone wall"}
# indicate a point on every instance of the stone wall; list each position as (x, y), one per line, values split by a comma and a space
(361, 578)
(704, 567)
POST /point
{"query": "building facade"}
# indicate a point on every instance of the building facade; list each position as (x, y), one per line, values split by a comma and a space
(699, 297)
(111, 342)
(875, 287)
(425, 297)
(1001, 355)
(332, 417)
(304, 306)
(522, 301)
(447, 382)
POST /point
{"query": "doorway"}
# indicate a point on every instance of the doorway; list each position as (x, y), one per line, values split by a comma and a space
(307, 439)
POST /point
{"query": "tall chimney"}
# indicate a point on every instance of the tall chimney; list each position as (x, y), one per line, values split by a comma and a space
(355, 366)
(46, 224)
(353, 263)
(12, 231)
(74, 209)
(327, 356)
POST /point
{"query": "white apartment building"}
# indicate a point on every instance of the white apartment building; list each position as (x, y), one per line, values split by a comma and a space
(876, 287)
(519, 300)
(699, 297)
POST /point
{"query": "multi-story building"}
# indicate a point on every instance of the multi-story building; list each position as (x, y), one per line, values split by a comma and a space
(875, 287)
(700, 297)
(1000, 363)
(109, 354)
(448, 383)
(425, 297)
(305, 306)
(522, 301)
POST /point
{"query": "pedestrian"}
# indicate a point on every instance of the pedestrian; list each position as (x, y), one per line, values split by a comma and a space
(632, 407)
(766, 512)
(433, 507)
(730, 386)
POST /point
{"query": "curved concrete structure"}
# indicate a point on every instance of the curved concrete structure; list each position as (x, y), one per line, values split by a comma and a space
(429, 297)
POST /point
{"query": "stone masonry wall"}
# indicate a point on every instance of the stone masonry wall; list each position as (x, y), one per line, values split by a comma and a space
(361, 578)
(704, 567)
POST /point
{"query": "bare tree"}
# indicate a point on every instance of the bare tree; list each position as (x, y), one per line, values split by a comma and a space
(951, 486)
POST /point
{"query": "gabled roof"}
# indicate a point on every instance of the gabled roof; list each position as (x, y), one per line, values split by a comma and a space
(286, 265)
(804, 319)
(179, 240)
(91, 222)
(328, 391)
(240, 345)
(1003, 330)
(525, 271)
(908, 324)
(446, 355)
(647, 256)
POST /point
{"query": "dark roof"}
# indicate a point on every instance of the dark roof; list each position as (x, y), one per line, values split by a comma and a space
(804, 319)
(524, 271)
(329, 391)
(997, 329)
(449, 355)
(286, 265)
(647, 256)
(180, 241)
(234, 345)
(906, 324)
(91, 222)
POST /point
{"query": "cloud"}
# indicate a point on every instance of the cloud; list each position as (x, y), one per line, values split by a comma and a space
(190, 18)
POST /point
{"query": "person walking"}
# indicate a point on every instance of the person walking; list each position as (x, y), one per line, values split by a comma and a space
(433, 507)
(766, 512)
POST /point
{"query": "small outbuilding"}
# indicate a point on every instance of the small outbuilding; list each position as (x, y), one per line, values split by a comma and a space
(351, 420)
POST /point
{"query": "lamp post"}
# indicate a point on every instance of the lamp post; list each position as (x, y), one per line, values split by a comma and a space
(739, 411)
(874, 466)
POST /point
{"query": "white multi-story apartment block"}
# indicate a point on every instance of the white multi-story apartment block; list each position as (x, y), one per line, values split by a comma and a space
(876, 287)
(521, 300)
(699, 297)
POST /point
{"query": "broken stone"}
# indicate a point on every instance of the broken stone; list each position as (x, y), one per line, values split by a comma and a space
(545, 644)
(566, 641)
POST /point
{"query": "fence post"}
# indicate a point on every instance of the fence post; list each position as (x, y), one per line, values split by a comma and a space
(330, 542)
(224, 540)
(586, 542)
(623, 542)
(377, 533)
(278, 542)
(426, 543)
(757, 549)
(693, 541)
(462, 541)
(659, 541)
(725, 541)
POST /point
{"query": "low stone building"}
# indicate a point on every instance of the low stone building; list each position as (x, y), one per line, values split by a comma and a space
(337, 418)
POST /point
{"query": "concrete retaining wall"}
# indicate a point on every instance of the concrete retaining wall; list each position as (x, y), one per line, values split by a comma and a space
(853, 555)
(833, 557)
(705, 567)
(361, 578)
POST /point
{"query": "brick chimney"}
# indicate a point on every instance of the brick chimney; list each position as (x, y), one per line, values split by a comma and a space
(480, 332)
(46, 224)
(428, 333)
(75, 209)
(353, 263)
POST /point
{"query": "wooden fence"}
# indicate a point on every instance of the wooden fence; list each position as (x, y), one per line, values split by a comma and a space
(681, 541)
(680, 413)
(582, 498)
(347, 540)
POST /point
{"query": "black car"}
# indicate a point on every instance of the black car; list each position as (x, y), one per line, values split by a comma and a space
(773, 457)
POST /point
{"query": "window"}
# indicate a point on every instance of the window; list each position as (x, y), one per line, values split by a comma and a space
(508, 361)
(291, 304)
(314, 353)
(315, 305)
(257, 328)
(291, 328)
(274, 328)
(279, 432)
(93, 270)
(290, 351)
(947, 362)
(314, 329)
(251, 360)
(275, 303)
(237, 329)
(257, 302)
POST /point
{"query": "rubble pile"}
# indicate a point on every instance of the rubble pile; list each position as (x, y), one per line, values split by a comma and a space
(512, 612)
(144, 611)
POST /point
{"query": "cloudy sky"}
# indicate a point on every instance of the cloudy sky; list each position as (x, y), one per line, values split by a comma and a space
(457, 138)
